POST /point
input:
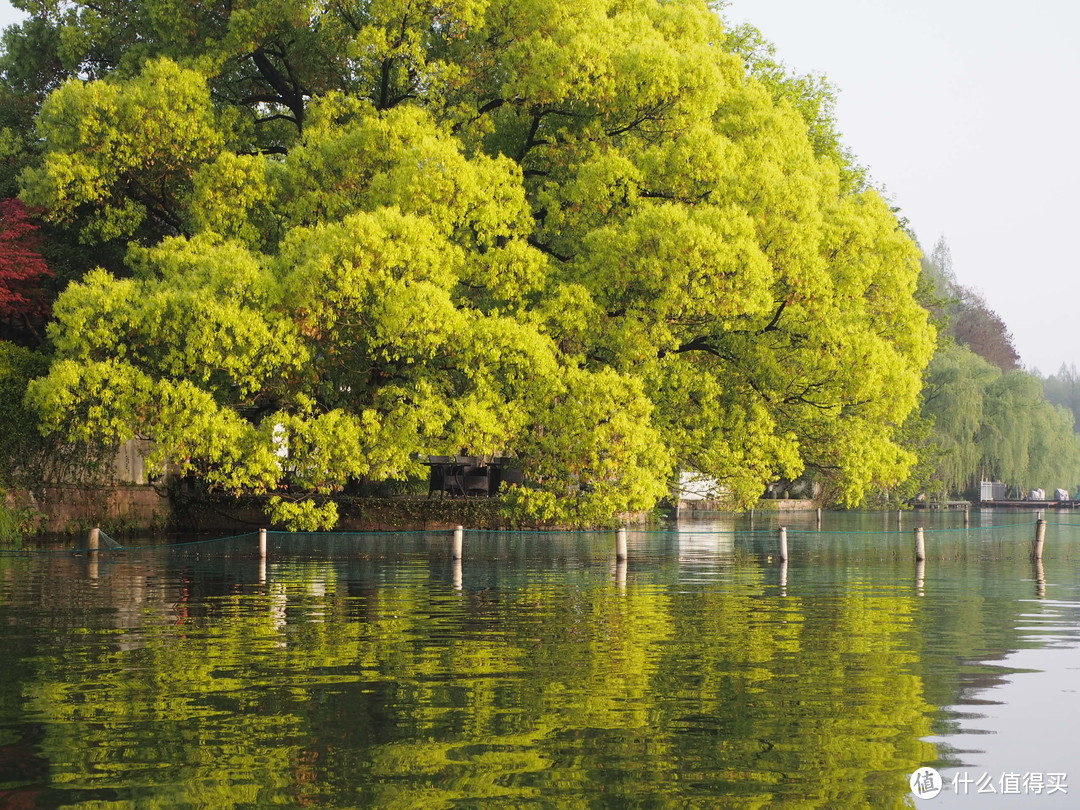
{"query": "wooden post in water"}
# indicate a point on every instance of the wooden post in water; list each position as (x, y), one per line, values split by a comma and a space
(783, 543)
(1040, 578)
(783, 577)
(459, 541)
(819, 517)
(899, 518)
(1040, 538)
(967, 516)
(262, 544)
(93, 542)
(920, 545)
(620, 544)
(920, 578)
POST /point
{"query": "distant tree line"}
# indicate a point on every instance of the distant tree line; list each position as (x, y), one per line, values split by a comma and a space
(989, 419)
(1063, 389)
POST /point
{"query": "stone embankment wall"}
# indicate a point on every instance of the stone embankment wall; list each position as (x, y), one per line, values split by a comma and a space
(131, 509)
(116, 508)
(764, 505)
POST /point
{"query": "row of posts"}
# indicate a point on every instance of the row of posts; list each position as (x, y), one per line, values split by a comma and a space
(94, 541)
(457, 551)
(1038, 542)
(899, 517)
(782, 551)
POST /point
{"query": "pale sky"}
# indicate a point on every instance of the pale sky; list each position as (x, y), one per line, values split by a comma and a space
(966, 112)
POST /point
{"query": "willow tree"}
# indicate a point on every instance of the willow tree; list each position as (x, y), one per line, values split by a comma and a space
(1025, 440)
(954, 400)
(579, 232)
(992, 424)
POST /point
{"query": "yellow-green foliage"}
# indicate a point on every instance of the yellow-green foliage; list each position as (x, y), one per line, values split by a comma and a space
(577, 232)
(305, 515)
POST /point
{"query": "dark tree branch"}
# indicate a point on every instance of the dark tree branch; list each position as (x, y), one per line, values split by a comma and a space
(614, 133)
(799, 399)
(384, 83)
(771, 326)
(537, 117)
(491, 106)
(530, 138)
(281, 117)
(548, 250)
(481, 111)
(347, 17)
(290, 93)
(156, 205)
(701, 345)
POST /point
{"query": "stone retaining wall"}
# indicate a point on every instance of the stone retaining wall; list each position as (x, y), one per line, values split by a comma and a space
(69, 510)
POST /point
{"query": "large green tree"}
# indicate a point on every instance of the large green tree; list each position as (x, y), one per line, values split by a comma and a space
(584, 233)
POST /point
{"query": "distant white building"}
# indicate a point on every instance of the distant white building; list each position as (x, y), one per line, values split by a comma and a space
(697, 487)
(992, 491)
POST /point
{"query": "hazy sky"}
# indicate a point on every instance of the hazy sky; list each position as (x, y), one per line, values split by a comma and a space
(966, 112)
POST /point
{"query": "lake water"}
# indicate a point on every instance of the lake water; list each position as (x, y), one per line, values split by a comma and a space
(354, 671)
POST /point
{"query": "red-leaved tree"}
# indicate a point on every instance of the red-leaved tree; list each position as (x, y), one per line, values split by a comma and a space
(22, 267)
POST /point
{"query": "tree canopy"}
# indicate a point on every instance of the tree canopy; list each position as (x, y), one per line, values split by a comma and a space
(583, 233)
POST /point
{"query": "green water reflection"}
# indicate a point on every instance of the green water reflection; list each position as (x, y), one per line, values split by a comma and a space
(368, 672)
